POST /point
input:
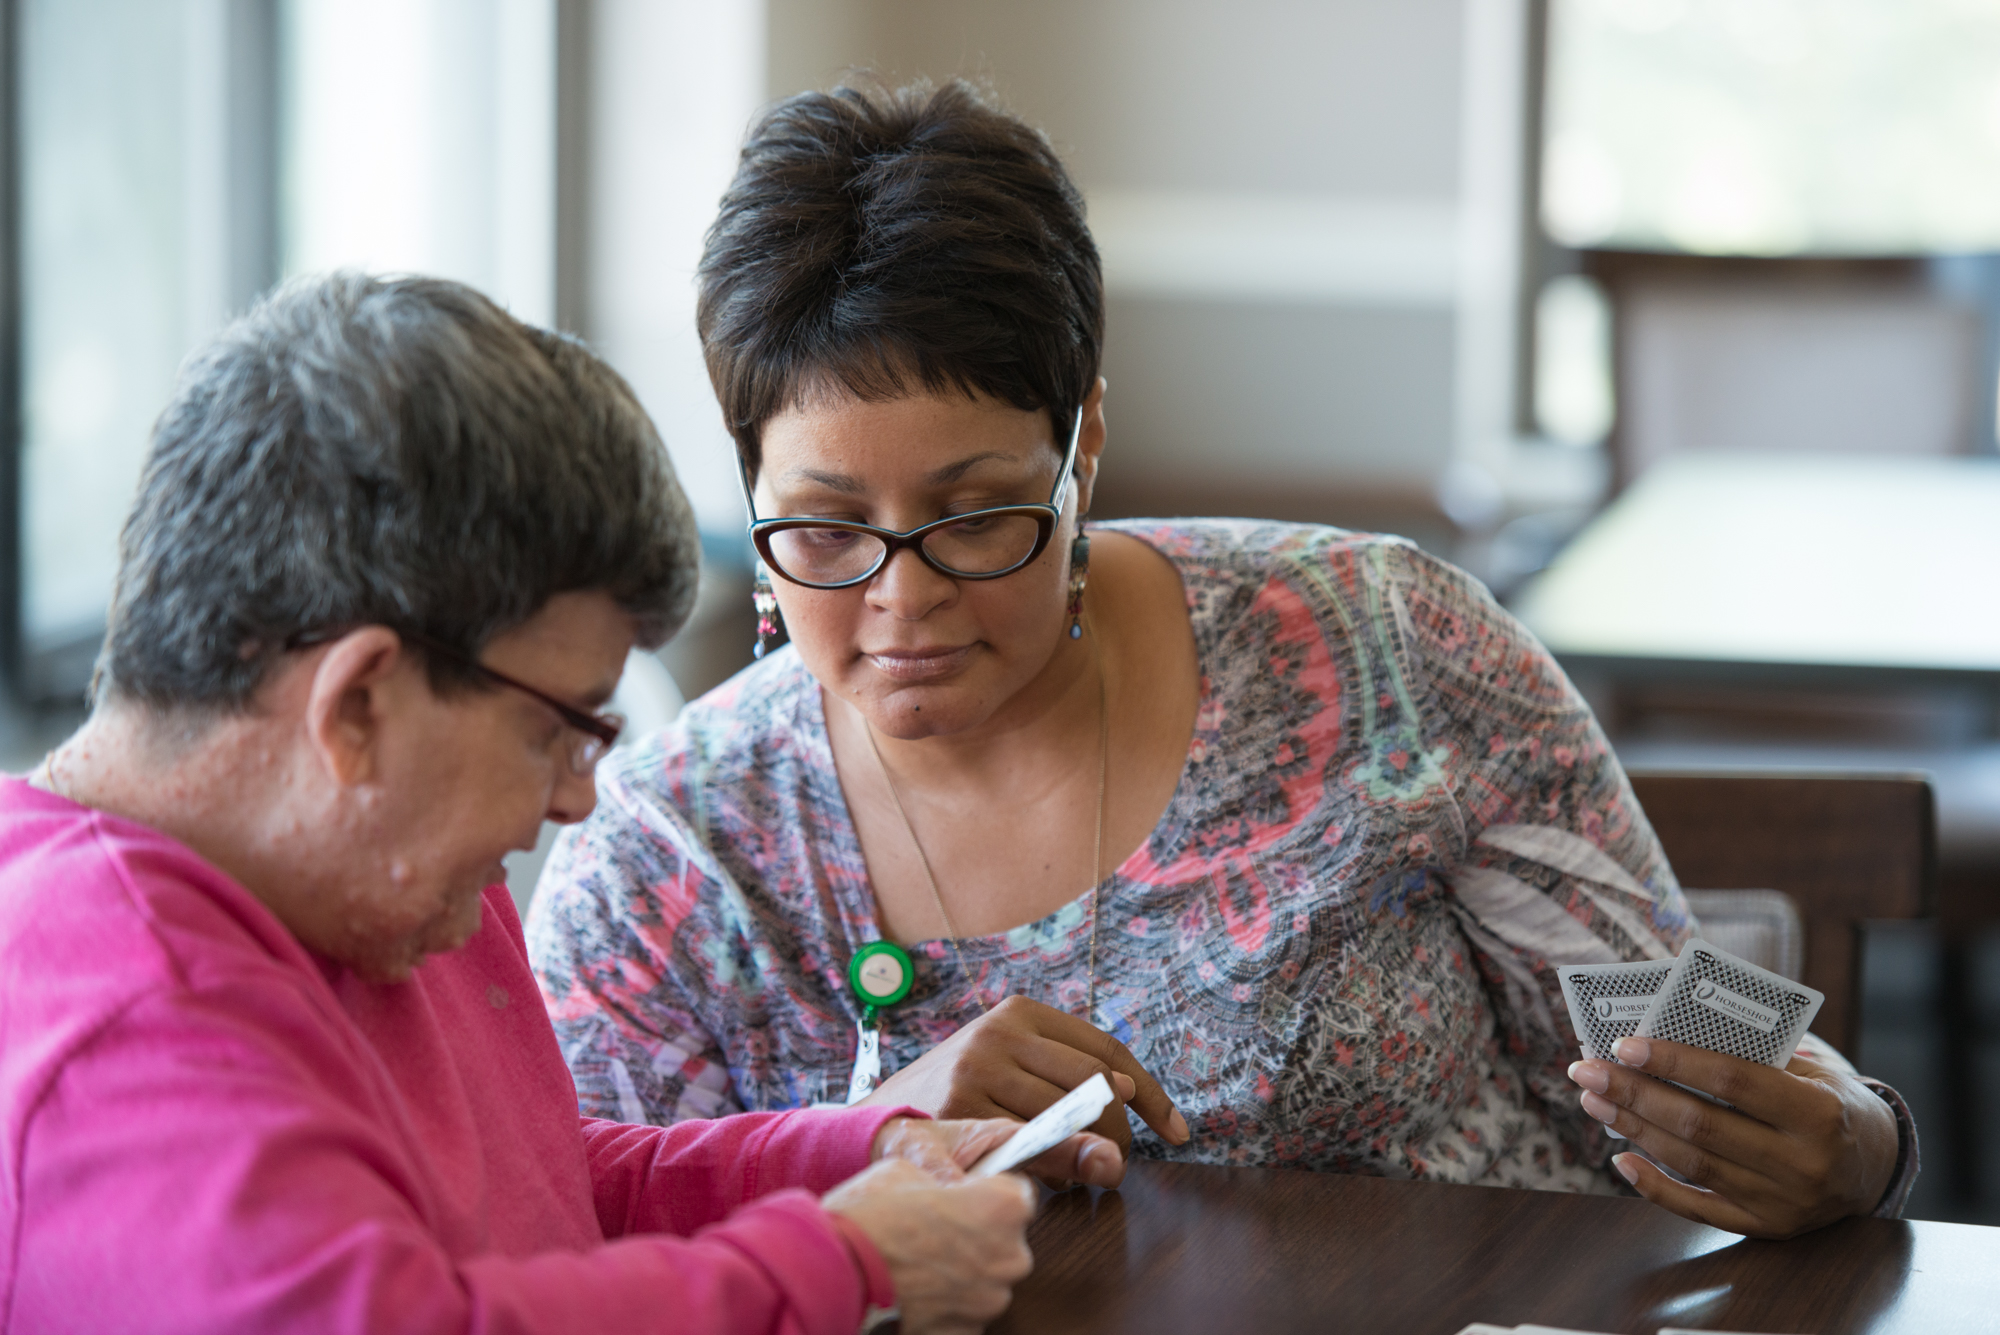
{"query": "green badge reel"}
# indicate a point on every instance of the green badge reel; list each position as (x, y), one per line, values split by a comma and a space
(880, 974)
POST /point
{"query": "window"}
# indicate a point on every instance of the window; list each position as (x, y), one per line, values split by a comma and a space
(138, 220)
(1774, 127)
(173, 159)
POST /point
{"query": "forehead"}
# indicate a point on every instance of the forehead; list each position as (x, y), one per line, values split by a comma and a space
(893, 439)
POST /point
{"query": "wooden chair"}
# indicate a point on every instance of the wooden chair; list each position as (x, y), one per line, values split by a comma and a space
(1845, 847)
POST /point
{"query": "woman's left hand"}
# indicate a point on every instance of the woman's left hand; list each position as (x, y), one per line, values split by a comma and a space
(946, 1148)
(1805, 1146)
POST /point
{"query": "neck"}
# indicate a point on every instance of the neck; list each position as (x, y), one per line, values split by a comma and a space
(210, 784)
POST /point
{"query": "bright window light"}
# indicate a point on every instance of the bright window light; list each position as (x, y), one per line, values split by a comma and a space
(420, 137)
(117, 127)
(1774, 127)
(1573, 402)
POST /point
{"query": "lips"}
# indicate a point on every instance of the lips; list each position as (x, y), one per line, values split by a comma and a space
(923, 664)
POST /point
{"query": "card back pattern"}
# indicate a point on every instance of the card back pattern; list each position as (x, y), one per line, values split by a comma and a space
(1714, 1000)
(1607, 1001)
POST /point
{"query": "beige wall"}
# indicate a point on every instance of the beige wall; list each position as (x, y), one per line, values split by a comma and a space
(1349, 97)
(1276, 186)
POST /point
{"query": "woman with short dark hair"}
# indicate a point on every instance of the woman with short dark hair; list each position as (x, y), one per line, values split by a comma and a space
(1284, 826)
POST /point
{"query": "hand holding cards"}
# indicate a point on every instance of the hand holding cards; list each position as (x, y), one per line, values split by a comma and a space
(1801, 1140)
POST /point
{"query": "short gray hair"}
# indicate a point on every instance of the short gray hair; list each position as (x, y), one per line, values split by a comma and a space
(402, 452)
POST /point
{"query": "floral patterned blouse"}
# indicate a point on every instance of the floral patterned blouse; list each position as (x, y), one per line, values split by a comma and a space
(1337, 949)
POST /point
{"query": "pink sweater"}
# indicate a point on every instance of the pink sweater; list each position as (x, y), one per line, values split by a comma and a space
(209, 1129)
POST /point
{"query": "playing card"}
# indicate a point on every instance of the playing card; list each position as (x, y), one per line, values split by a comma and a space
(1073, 1112)
(1716, 1001)
(1607, 1001)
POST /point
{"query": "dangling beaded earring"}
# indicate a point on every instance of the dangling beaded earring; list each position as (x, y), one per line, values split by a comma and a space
(1079, 573)
(766, 602)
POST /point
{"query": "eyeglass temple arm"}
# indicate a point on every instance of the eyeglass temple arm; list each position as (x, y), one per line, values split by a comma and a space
(743, 477)
(1069, 460)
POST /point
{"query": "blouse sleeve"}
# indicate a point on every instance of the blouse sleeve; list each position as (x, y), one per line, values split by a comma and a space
(1557, 863)
(601, 935)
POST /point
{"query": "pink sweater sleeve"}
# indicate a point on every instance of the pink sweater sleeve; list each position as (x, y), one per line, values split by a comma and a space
(186, 1172)
(679, 1178)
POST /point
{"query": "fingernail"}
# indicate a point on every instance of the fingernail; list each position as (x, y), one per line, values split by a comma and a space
(1591, 1075)
(1179, 1127)
(1602, 1109)
(1122, 1085)
(1633, 1051)
(1626, 1168)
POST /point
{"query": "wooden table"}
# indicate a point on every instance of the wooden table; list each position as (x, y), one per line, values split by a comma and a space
(1189, 1250)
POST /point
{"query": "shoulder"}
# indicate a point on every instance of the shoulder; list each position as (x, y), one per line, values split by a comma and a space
(1380, 587)
(103, 921)
(1468, 643)
(87, 895)
(752, 729)
(1231, 567)
(76, 944)
(690, 807)
(1224, 549)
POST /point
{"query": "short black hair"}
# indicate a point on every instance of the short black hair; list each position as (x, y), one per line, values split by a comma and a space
(359, 451)
(883, 242)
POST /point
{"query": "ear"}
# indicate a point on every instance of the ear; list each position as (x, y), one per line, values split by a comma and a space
(347, 703)
(1090, 446)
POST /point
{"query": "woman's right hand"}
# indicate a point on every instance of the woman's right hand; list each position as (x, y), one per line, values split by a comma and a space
(1022, 1056)
(954, 1249)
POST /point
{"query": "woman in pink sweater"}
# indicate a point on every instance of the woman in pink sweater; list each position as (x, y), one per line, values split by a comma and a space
(271, 1057)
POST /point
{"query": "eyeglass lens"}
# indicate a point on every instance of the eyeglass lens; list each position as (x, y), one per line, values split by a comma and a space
(586, 749)
(982, 545)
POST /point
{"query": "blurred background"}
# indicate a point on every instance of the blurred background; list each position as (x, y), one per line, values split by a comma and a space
(1676, 321)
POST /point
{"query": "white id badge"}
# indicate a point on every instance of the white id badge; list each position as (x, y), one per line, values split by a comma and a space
(867, 1065)
(1073, 1112)
(1714, 1000)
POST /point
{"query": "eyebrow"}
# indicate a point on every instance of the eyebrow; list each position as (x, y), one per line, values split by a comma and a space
(853, 486)
(599, 695)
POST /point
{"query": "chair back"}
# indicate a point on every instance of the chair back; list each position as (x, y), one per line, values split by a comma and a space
(1762, 926)
(1845, 848)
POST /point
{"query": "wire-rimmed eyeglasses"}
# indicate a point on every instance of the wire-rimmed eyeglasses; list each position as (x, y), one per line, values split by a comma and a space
(590, 735)
(982, 544)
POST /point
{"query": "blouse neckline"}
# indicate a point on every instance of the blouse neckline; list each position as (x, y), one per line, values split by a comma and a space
(857, 890)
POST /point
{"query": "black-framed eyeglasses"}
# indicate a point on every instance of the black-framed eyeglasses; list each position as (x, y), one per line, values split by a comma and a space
(982, 544)
(591, 735)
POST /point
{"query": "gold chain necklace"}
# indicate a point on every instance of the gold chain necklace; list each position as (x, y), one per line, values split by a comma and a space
(1096, 854)
(47, 776)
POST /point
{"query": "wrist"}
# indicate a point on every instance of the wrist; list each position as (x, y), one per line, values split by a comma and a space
(878, 1287)
(892, 1127)
(1887, 1201)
